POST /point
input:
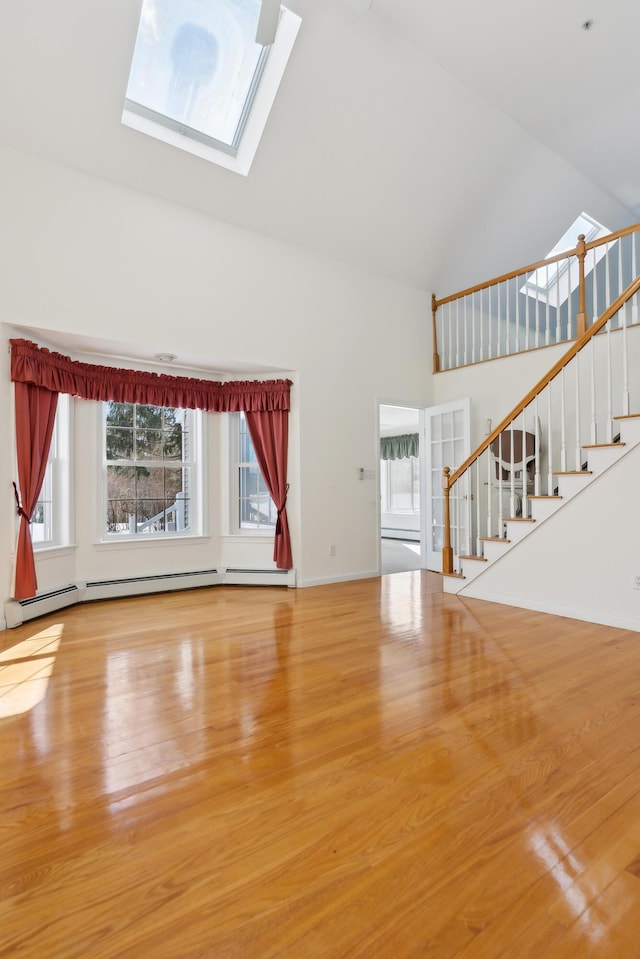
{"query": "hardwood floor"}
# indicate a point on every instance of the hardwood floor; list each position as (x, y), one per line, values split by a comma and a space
(373, 769)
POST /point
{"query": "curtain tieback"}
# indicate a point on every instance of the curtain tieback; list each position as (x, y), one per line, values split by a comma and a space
(280, 510)
(19, 508)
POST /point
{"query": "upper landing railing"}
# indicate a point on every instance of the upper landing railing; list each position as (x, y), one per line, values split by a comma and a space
(544, 303)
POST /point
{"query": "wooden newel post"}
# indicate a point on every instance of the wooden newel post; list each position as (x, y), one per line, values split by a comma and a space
(447, 551)
(436, 357)
(581, 318)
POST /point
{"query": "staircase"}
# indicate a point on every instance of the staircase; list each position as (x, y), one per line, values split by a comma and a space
(600, 459)
(579, 423)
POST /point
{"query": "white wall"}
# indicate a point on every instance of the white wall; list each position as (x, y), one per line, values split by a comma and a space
(581, 562)
(87, 258)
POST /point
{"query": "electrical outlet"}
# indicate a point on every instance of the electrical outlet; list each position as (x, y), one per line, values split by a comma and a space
(636, 582)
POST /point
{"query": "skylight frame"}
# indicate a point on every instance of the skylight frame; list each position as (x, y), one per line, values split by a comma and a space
(544, 283)
(239, 155)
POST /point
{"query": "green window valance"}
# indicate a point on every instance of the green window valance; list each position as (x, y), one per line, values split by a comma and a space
(399, 447)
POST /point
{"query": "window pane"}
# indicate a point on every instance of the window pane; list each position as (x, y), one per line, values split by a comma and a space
(149, 417)
(119, 414)
(174, 439)
(401, 485)
(144, 498)
(120, 516)
(149, 444)
(121, 482)
(195, 62)
(119, 443)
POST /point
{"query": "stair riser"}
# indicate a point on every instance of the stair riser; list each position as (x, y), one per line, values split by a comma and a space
(542, 509)
(600, 460)
(493, 550)
(568, 486)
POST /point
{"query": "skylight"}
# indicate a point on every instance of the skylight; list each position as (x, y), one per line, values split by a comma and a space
(200, 81)
(544, 283)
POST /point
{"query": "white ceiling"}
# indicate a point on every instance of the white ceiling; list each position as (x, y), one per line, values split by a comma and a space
(400, 132)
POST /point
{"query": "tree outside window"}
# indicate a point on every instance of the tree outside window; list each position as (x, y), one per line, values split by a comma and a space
(149, 469)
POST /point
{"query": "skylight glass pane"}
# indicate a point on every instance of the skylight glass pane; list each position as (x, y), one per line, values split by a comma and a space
(196, 62)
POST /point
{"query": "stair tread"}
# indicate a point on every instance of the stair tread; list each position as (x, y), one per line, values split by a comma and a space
(544, 496)
(493, 539)
(454, 575)
(518, 519)
(573, 473)
(600, 446)
(627, 416)
(481, 559)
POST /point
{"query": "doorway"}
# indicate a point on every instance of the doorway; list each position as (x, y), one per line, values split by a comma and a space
(400, 489)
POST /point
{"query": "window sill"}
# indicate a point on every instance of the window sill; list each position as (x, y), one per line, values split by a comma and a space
(251, 536)
(137, 542)
(52, 552)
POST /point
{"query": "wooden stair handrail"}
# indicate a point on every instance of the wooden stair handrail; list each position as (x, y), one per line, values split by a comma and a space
(581, 246)
(566, 358)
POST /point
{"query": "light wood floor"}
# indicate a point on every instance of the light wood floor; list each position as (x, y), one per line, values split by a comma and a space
(371, 769)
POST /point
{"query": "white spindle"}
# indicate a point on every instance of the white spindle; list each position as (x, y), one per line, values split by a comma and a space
(563, 426)
(499, 472)
(490, 352)
(609, 387)
(623, 311)
(634, 273)
(537, 312)
(499, 322)
(473, 327)
(524, 473)
(490, 497)
(466, 328)
(512, 473)
(526, 317)
(550, 487)
(607, 280)
(571, 325)
(456, 351)
(478, 527)
(596, 314)
(547, 330)
(625, 365)
(557, 288)
(517, 315)
(508, 311)
(467, 531)
(576, 362)
(538, 448)
(592, 369)
(449, 324)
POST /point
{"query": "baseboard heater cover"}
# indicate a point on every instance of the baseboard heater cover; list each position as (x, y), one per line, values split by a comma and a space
(18, 611)
(140, 585)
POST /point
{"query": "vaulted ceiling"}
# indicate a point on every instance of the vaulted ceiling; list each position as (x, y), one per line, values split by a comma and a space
(404, 135)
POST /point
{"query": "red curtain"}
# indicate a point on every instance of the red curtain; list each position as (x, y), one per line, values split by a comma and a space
(35, 419)
(60, 374)
(269, 434)
(40, 375)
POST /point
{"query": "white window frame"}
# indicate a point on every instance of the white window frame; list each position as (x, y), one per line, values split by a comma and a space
(237, 464)
(240, 158)
(386, 487)
(55, 495)
(194, 463)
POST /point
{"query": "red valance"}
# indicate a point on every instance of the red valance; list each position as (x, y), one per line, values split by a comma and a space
(36, 365)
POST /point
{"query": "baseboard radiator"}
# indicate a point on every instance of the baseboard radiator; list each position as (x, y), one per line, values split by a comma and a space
(19, 611)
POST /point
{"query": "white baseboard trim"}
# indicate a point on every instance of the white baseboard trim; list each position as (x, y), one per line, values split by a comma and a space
(569, 612)
(328, 580)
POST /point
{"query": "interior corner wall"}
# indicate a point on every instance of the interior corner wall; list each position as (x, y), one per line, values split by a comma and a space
(86, 257)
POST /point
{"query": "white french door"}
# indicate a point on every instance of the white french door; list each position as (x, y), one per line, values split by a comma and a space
(445, 441)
